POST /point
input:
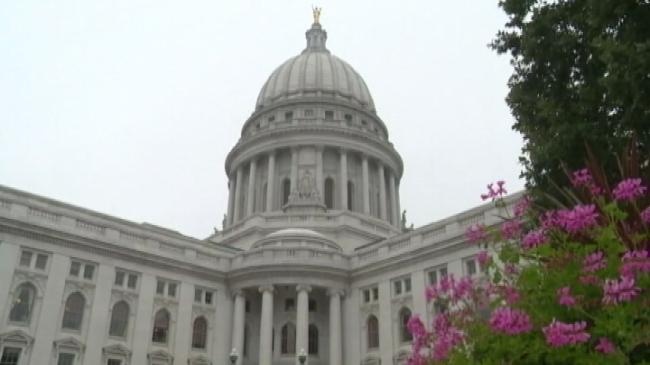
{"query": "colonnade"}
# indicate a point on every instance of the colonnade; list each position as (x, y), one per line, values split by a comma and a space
(237, 210)
(302, 324)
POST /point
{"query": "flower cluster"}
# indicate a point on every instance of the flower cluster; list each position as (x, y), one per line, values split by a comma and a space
(594, 262)
(510, 321)
(634, 262)
(605, 346)
(560, 334)
(451, 289)
(495, 193)
(446, 337)
(579, 218)
(510, 229)
(565, 298)
(522, 206)
(534, 238)
(583, 178)
(476, 233)
(645, 215)
(618, 291)
(629, 189)
(483, 258)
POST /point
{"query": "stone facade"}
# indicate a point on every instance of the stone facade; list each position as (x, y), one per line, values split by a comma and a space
(313, 254)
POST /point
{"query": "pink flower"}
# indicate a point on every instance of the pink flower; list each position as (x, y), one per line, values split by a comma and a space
(483, 258)
(510, 321)
(589, 279)
(511, 295)
(565, 298)
(494, 193)
(418, 331)
(534, 238)
(635, 261)
(510, 229)
(583, 178)
(549, 219)
(522, 206)
(431, 292)
(476, 233)
(618, 291)
(645, 215)
(510, 269)
(629, 189)
(579, 218)
(594, 262)
(462, 288)
(446, 337)
(560, 334)
(605, 346)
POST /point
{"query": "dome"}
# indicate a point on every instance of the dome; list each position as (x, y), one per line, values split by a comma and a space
(315, 73)
(296, 238)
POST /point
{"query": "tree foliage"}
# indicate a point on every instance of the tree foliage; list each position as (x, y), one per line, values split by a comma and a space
(581, 77)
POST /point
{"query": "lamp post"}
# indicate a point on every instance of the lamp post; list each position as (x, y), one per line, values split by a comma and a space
(233, 356)
(302, 356)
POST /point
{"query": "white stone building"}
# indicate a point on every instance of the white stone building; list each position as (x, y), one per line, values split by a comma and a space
(313, 254)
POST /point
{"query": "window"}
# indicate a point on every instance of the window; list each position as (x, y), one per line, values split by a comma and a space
(434, 275)
(198, 295)
(350, 195)
(329, 193)
(160, 327)
(89, 272)
(23, 304)
(286, 190)
(10, 356)
(76, 267)
(309, 112)
(271, 119)
(160, 287)
(30, 258)
(247, 306)
(119, 319)
(470, 267)
(200, 333)
(407, 285)
(171, 287)
(119, 278)
(73, 312)
(401, 286)
(41, 261)
(132, 283)
(397, 287)
(171, 290)
(348, 118)
(312, 342)
(372, 329)
(203, 296)
(375, 294)
(405, 316)
(370, 294)
(288, 345)
(131, 280)
(312, 305)
(366, 296)
(26, 258)
(65, 359)
(114, 362)
(288, 116)
(329, 115)
(208, 297)
(289, 305)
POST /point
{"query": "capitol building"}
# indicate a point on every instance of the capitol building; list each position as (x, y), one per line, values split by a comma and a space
(314, 263)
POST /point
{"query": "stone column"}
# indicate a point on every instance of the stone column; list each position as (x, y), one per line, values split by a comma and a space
(231, 201)
(319, 172)
(238, 187)
(294, 169)
(336, 353)
(184, 323)
(270, 182)
(266, 326)
(98, 314)
(344, 180)
(393, 200)
(239, 312)
(251, 187)
(302, 320)
(382, 193)
(143, 320)
(366, 185)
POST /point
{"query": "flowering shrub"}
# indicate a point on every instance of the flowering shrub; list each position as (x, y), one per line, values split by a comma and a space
(558, 286)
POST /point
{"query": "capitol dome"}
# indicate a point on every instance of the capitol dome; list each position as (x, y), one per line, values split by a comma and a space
(315, 73)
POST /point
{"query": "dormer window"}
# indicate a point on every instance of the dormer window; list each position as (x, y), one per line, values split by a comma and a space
(309, 112)
(348, 119)
(329, 115)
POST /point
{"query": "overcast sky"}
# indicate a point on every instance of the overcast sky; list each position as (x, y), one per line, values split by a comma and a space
(129, 107)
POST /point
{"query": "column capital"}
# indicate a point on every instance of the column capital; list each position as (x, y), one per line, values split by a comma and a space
(271, 152)
(266, 288)
(303, 287)
(237, 293)
(335, 292)
(343, 150)
(320, 147)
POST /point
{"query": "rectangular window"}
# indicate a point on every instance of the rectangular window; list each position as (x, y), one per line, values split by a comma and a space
(26, 258)
(309, 112)
(171, 290)
(160, 287)
(366, 296)
(65, 359)
(329, 115)
(288, 116)
(375, 294)
(443, 272)
(407, 285)
(397, 287)
(348, 118)
(271, 118)
(75, 268)
(247, 306)
(89, 271)
(434, 275)
(114, 362)
(208, 297)
(119, 278)
(470, 267)
(133, 281)
(10, 356)
(289, 305)
(198, 295)
(41, 261)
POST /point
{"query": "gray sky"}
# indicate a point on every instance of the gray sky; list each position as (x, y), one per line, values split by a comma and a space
(129, 107)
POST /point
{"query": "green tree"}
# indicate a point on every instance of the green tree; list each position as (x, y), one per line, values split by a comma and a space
(581, 77)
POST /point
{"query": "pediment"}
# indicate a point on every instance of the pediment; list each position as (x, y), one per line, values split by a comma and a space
(17, 337)
(200, 360)
(117, 350)
(69, 343)
(160, 355)
(371, 360)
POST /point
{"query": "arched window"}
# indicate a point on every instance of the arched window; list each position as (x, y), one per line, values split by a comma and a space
(404, 316)
(23, 304)
(350, 195)
(372, 328)
(313, 339)
(73, 313)
(288, 345)
(200, 333)
(119, 319)
(160, 326)
(329, 193)
(286, 190)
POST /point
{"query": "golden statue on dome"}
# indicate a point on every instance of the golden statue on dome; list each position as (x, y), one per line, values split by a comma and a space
(316, 11)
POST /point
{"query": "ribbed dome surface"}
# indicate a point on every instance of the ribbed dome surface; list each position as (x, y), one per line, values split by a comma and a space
(315, 73)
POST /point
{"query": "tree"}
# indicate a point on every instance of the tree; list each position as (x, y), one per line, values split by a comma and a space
(581, 78)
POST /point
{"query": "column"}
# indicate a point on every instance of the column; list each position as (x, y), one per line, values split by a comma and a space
(336, 353)
(366, 185)
(270, 182)
(143, 319)
(382, 193)
(294, 169)
(251, 187)
(184, 323)
(49, 324)
(101, 307)
(239, 311)
(302, 320)
(385, 324)
(266, 326)
(319, 172)
(8, 260)
(222, 332)
(231, 200)
(238, 187)
(393, 200)
(344, 179)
